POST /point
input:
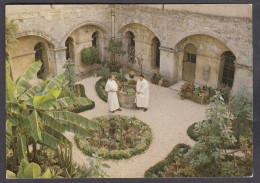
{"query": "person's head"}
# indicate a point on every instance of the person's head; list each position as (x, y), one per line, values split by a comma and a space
(141, 77)
(111, 77)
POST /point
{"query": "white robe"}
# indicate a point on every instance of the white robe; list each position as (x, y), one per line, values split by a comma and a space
(142, 100)
(112, 100)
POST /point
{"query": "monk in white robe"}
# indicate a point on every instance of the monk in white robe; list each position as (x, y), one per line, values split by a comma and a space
(112, 99)
(142, 93)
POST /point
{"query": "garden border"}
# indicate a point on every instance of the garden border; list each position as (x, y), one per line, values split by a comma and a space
(86, 107)
(99, 91)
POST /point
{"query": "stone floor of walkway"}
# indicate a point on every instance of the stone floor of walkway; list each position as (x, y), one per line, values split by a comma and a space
(168, 116)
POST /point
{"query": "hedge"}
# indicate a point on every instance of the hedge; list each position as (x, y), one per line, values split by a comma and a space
(85, 107)
(190, 132)
(99, 90)
(167, 161)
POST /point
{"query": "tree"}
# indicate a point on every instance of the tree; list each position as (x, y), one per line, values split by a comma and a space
(115, 48)
(215, 135)
(70, 74)
(89, 55)
(11, 28)
(34, 113)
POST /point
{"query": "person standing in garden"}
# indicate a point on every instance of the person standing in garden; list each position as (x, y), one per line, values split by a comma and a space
(142, 93)
(112, 99)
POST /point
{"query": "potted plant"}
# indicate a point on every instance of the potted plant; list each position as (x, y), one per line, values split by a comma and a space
(181, 93)
(131, 74)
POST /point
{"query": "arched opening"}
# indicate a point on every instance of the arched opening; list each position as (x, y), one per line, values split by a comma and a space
(189, 62)
(228, 68)
(156, 52)
(69, 48)
(130, 45)
(41, 55)
(95, 39)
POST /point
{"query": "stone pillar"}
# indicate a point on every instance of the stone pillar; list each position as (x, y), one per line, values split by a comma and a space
(243, 79)
(113, 23)
(168, 65)
(60, 58)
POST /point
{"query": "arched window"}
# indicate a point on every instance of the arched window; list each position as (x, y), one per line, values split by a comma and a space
(156, 52)
(130, 45)
(228, 62)
(95, 39)
(69, 48)
(40, 52)
(190, 52)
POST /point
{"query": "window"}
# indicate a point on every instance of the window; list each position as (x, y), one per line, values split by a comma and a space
(69, 48)
(190, 53)
(94, 39)
(39, 56)
(229, 68)
(131, 45)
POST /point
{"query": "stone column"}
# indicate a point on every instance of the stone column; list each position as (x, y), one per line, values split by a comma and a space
(60, 58)
(113, 23)
(243, 78)
(168, 65)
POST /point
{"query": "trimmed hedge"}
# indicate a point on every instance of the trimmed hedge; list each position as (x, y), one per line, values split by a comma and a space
(190, 132)
(167, 161)
(85, 107)
(99, 90)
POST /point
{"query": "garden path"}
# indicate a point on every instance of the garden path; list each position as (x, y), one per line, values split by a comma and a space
(168, 116)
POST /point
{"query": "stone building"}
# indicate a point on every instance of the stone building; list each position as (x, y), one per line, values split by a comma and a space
(206, 44)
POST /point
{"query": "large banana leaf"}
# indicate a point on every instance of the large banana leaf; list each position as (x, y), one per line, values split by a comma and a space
(35, 90)
(11, 90)
(56, 134)
(21, 147)
(57, 82)
(52, 122)
(61, 103)
(22, 82)
(49, 140)
(68, 94)
(83, 101)
(71, 117)
(35, 121)
(53, 93)
(77, 129)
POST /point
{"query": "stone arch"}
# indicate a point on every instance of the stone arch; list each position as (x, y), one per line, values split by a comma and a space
(70, 31)
(225, 41)
(40, 34)
(138, 22)
(208, 58)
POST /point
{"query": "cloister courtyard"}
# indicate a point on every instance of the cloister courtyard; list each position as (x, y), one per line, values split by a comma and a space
(194, 63)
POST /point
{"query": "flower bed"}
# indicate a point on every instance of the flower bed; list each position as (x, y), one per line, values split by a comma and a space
(162, 166)
(79, 109)
(118, 137)
(158, 79)
(201, 94)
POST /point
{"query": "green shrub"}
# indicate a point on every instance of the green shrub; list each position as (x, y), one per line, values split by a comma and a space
(105, 71)
(86, 107)
(114, 66)
(99, 90)
(191, 133)
(89, 56)
(130, 91)
(179, 148)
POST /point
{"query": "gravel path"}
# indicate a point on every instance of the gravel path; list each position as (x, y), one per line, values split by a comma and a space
(168, 116)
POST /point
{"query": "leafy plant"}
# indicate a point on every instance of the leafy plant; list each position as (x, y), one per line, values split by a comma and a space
(130, 91)
(115, 48)
(70, 74)
(105, 71)
(64, 152)
(215, 134)
(11, 28)
(34, 113)
(28, 171)
(114, 66)
(89, 55)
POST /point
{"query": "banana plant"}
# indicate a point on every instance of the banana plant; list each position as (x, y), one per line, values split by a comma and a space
(36, 113)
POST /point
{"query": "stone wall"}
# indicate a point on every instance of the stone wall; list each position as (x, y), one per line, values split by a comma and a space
(172, 26)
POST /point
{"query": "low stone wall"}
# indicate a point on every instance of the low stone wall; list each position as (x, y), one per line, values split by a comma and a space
(125, 100)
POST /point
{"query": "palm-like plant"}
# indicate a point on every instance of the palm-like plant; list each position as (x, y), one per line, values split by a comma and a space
(35, 113)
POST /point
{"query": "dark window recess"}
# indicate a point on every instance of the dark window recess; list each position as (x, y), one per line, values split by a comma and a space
(188, 57)
(39, 57)
(94, 39)
(229, 69)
